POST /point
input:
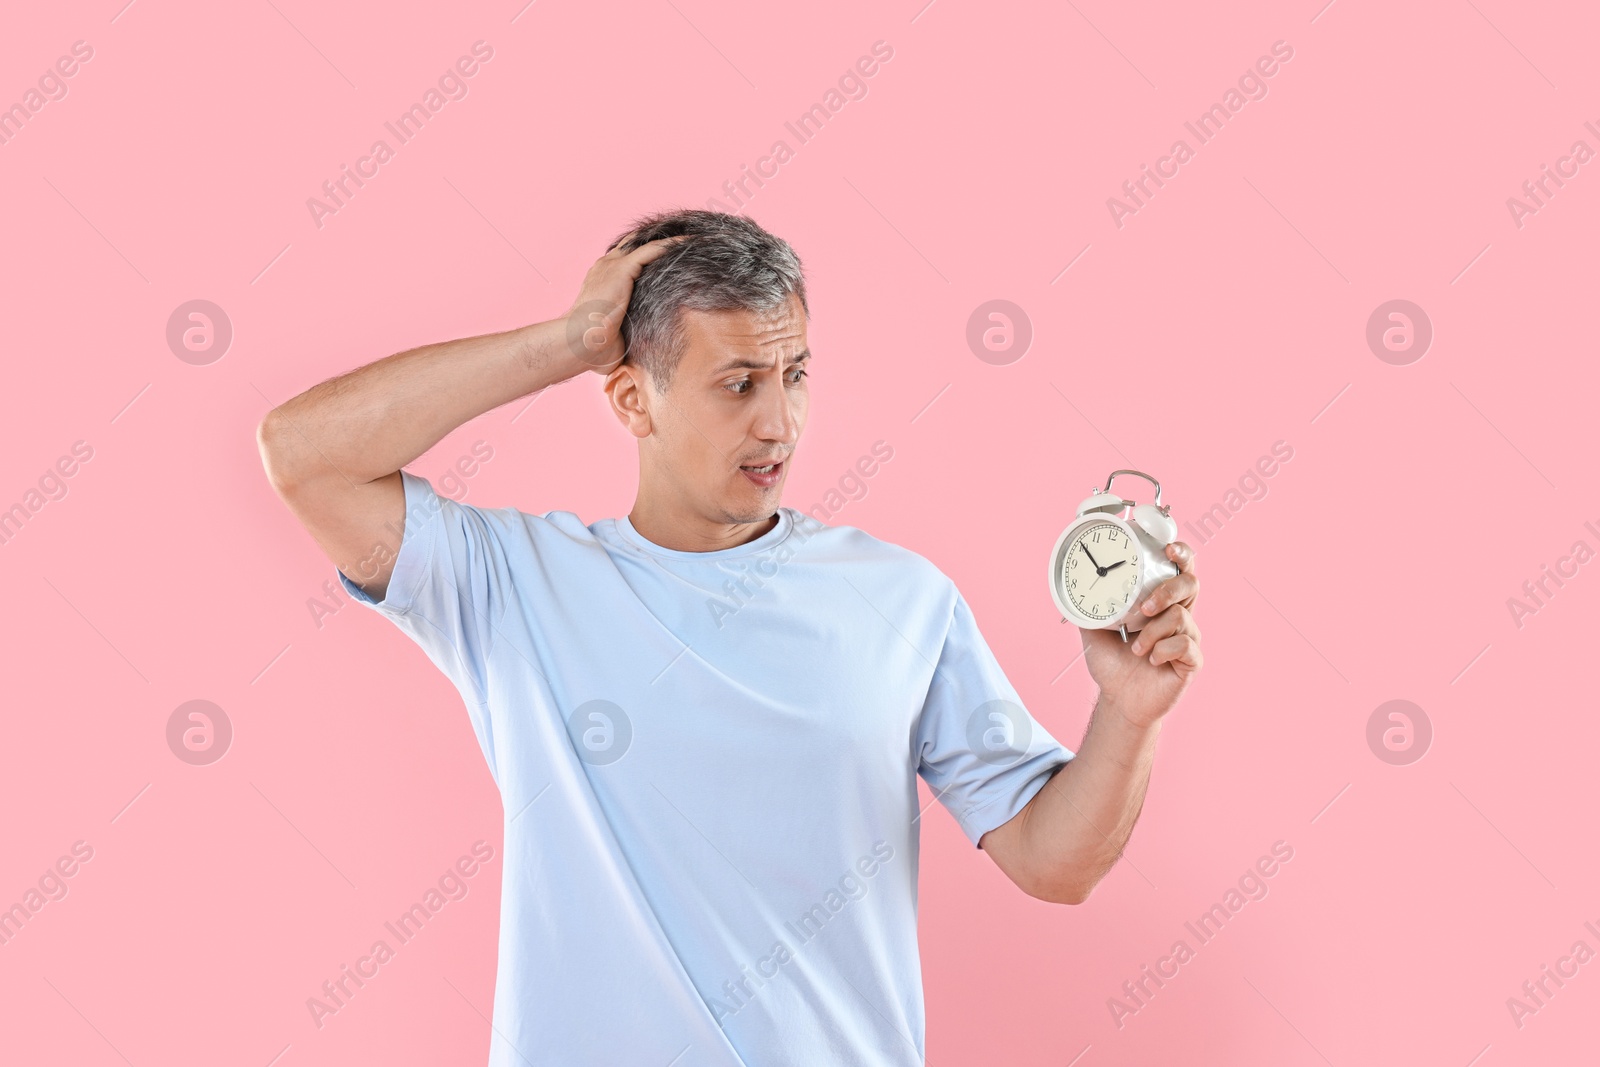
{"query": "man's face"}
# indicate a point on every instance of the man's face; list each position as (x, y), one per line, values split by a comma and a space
(737, 401)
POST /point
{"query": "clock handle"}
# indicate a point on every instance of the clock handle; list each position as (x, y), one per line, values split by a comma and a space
(1140, 474)
(1155, 519)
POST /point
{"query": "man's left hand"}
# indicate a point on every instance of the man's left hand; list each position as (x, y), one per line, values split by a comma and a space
(1144, 678)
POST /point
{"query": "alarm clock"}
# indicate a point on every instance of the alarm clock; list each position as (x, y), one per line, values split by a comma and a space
(1107, 561)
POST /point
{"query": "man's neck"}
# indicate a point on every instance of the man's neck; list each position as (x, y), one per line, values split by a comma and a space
(682, 529)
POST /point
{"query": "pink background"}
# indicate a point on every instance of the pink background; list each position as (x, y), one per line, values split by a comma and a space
(1229, 313)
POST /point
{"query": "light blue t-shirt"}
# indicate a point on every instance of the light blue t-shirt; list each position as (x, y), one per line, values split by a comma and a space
(708, 766)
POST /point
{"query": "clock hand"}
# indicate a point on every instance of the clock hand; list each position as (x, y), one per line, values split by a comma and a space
(1114, 566)
(1101, 570)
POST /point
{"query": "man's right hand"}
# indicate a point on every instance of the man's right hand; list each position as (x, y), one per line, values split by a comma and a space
(594, 322)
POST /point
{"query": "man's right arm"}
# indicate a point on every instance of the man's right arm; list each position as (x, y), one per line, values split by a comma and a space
(334, 453)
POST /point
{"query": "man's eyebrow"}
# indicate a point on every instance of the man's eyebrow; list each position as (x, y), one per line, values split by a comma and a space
(744, 363)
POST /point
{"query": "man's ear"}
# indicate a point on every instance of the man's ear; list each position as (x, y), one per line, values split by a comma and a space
(630, 400)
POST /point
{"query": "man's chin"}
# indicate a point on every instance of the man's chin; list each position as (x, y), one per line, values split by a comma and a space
(758, 505)
(745, 515)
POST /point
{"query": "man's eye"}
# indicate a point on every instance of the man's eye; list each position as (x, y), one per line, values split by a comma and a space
(800, 372)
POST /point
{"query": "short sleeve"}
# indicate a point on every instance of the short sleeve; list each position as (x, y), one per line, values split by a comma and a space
(980, 751)
(448, 587)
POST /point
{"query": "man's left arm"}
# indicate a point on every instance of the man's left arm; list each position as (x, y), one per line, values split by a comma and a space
(1072, 832)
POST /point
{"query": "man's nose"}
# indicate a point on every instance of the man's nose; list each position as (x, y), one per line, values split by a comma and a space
(777, 419)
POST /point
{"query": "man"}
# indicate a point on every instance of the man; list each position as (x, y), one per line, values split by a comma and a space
(706, 719)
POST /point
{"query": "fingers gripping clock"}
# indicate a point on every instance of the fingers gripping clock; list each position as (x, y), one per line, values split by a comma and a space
(1107, 561)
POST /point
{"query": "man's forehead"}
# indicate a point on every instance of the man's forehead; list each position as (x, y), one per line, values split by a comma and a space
(721, 336)
(748, 361)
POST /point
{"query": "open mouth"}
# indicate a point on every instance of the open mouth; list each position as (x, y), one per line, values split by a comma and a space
(764, 476)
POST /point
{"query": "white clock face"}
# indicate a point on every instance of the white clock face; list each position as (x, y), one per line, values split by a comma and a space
(1100, 570)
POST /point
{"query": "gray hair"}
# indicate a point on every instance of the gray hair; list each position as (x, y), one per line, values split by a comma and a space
(728, 263)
